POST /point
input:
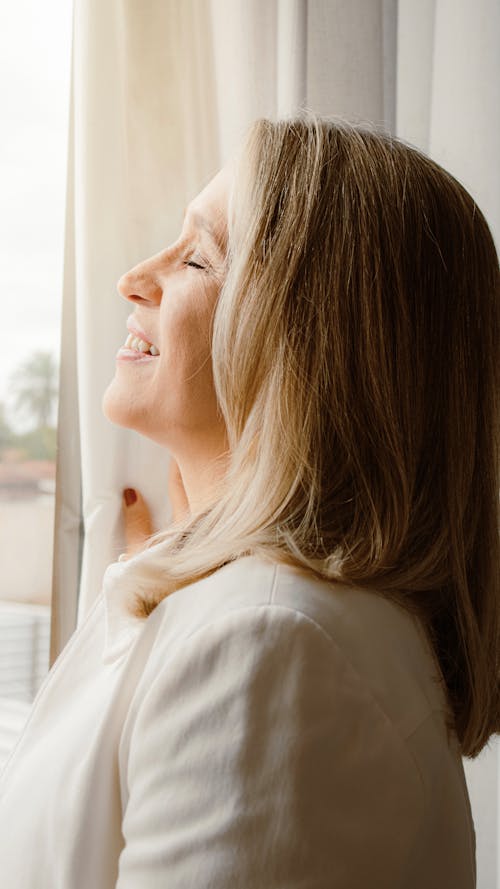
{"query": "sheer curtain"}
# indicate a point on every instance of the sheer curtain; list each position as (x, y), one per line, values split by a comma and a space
(161, 94)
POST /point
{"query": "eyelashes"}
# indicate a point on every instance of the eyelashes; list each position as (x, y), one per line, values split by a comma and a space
(203, 265)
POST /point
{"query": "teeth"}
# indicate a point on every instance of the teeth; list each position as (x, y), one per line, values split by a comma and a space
(134, 342)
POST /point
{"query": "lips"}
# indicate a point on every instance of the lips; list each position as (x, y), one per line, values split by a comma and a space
(134, 328)
(125, 354)
(134, 342)
(138, 347)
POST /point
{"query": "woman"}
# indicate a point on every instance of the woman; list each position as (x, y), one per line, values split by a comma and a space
(277, 690)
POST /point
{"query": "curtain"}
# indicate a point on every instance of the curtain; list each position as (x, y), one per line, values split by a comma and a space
(162, 92)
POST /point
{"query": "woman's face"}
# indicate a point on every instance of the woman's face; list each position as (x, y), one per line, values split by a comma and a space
(170, 396)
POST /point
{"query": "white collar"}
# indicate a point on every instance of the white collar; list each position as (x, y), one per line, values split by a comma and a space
(121, 627)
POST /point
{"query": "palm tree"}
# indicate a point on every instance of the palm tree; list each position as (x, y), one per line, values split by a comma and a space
(34, 385)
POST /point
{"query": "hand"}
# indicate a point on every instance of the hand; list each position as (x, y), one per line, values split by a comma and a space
(136, 514)
(137, 519)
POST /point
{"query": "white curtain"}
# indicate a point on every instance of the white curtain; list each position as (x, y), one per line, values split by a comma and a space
(162, 92)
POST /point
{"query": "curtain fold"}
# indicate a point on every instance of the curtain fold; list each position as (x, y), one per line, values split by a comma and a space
(162, 94)
(465, 99)
(68, 521)
(291, 56)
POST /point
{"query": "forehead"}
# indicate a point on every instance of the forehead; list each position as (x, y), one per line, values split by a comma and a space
(212, 201)
(209, 209)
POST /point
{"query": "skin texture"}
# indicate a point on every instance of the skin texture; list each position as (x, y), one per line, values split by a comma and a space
(171, 399)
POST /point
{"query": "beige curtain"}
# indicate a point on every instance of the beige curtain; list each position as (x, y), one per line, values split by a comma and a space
(162, 91)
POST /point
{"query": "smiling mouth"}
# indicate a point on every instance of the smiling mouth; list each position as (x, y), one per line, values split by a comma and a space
(137, 345)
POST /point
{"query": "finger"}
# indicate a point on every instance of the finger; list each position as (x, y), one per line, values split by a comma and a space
(137, 518)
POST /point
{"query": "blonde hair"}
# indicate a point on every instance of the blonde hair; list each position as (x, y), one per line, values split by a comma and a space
(355, 349)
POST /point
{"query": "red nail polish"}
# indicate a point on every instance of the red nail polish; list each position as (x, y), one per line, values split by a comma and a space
(130, 496)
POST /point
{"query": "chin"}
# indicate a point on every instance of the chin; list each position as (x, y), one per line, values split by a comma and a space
(121, 411)
(118, 410)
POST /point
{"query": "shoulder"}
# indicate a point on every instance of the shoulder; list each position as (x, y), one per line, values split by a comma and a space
(258, 609)
(384, 645)
(261, 671)
(268, 691)
(253, 722)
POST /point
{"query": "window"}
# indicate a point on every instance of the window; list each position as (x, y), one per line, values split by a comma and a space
(35, 48)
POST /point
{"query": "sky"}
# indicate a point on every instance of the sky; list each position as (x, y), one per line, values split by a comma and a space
(35, 50)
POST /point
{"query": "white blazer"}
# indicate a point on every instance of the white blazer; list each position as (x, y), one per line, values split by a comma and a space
(262, 729)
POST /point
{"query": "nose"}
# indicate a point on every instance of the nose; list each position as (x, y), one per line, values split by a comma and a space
(140, 284)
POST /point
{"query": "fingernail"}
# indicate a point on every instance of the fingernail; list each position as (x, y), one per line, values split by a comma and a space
(130, 496)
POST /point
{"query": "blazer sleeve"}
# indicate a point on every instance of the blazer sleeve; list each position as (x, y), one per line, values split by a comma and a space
(259, 760)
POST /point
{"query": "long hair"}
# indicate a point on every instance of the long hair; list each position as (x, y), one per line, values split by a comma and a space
(355, 349)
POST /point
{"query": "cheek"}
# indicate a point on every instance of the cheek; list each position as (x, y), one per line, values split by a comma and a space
(184, 394)
(185, 334)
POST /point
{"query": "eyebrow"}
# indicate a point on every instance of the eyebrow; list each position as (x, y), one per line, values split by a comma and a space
(201, 222)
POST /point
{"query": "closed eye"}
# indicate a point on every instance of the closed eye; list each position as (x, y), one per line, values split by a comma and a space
(194, 265)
